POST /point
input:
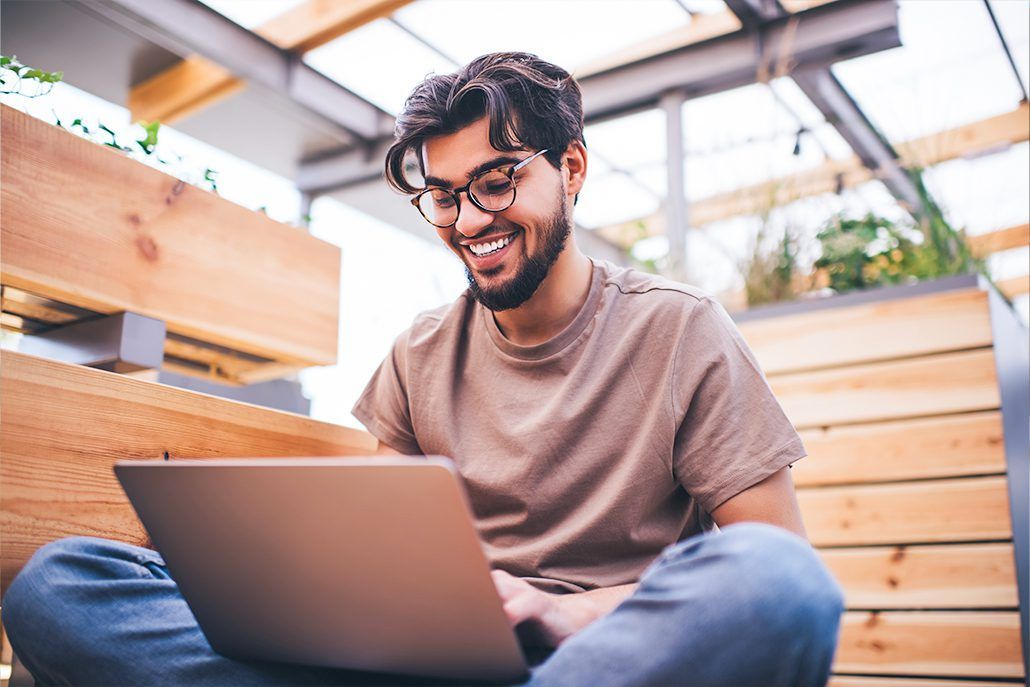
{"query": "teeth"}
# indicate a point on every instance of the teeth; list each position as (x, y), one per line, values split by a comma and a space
(481, 249)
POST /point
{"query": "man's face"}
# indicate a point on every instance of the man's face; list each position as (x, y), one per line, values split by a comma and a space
(532, 232)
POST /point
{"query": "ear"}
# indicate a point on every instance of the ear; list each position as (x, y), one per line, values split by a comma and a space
(574, 167)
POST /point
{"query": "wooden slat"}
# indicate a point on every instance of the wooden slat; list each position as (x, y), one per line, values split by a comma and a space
(931, 385)
(987, 134)
(64, 425)
(856, 681)
(954, 510)
(210, 269)
(1013, 287)
(960, 644)
(933, 323)
(928, 577)
(1002, 239)
(196, 82)
(946, 446)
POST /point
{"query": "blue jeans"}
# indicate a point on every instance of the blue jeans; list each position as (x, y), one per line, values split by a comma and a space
(750, 605)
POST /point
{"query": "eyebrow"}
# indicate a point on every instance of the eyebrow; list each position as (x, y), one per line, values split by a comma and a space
(498, 161)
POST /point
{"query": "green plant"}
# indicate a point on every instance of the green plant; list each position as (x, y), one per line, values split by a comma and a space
(15, 77)
(771, 275)
(875, 251)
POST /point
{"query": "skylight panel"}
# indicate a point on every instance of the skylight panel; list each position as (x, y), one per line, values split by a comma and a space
(380, 62)
(467, 29)
(251, 13)
(950, 71)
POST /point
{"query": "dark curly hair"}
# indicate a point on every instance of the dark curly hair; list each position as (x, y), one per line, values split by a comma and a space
(530, 103)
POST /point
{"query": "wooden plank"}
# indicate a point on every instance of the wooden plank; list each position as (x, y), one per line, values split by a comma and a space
(64, 425)
(960, 644)
(928, 577)
(933, 511)
(1013, 287)
(1002, 239)
(992, 133)
(856, 681)
(931, 385)
(946, 446)
(933, 323)
(209, 268)
(196, 82)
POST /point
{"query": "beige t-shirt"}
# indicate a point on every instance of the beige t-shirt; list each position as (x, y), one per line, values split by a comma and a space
(585, 455)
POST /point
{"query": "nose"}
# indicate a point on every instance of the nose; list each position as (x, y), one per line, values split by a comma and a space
(472, 220)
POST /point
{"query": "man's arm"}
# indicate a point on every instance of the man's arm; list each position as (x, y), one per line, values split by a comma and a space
(386, 450)
(557, 617)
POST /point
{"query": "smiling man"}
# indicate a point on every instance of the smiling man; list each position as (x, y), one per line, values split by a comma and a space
(604, 421)
(602, 418)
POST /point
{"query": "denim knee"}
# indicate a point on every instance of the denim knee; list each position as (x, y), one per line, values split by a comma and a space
(35, 604)
(794, 583)
(788, 586)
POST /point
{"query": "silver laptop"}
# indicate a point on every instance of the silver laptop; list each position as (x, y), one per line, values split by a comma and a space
(369, 564)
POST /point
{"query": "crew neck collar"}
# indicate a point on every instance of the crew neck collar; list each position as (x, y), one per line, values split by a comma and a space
(560, 340)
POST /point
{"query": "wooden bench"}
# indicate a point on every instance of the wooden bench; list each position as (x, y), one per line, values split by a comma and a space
(906, 490)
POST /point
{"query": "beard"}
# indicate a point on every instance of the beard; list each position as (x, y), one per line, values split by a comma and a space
(531, 271)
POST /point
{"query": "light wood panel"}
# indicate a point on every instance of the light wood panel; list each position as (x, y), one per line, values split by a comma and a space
(992, 133)
(897, 328)
(196, 82)
(1014, 287)
(929, 385)
(960, 644)
(856, 681)
(64, 425)
(953, 510)
(86, 226)
(1002, 239)
(937, 576)
(945, 446)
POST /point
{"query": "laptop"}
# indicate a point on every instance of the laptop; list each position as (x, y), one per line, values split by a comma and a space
(369, 564)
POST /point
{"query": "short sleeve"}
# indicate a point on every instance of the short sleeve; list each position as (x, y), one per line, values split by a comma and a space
(383, 406)
(732, 432)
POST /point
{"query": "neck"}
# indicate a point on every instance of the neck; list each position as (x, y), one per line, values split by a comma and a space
(556, 302)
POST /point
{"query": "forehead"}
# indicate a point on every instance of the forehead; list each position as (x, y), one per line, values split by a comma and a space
(452, 157)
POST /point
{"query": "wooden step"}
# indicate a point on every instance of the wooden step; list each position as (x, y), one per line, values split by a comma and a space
(64, 426)
(881, 330)
(86, 226)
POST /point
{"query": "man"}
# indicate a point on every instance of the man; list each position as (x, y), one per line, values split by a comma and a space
(602, 420)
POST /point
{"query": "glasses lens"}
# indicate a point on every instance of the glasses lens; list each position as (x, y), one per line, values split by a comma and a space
(438, 207)
(494, 191)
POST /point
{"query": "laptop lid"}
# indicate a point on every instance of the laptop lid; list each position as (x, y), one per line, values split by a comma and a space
(363, 563)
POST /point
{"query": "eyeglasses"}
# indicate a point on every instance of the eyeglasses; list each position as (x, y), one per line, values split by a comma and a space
(490, 191)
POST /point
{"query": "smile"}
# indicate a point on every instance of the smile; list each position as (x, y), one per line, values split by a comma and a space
(483, 249)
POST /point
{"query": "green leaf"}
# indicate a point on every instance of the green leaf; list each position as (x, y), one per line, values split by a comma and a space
(5, 60)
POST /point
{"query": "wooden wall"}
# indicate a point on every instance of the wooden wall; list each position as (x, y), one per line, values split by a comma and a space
(904, 491)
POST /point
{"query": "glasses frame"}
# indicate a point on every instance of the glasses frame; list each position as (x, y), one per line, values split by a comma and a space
(507, 170)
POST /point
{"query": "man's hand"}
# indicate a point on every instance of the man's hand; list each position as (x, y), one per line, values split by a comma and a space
(550, 619)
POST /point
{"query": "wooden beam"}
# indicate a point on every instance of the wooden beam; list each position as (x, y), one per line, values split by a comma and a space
(965, 444)
(210, 269)
(1013, 287)
(196, 82)
(966, 509)
(971, 139)
(950, 576)
(64, 425)
(953, 644)
(1002, 239)
(938, 384)
(867, 332)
